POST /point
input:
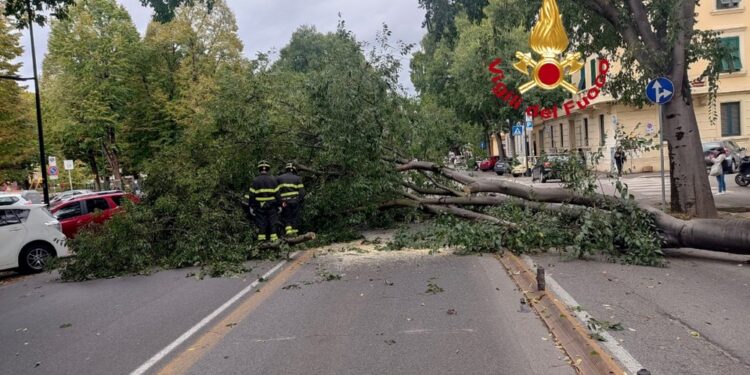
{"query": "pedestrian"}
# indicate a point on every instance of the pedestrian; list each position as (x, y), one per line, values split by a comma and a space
(620, 160)
(717, 169)
(292, 193)
(265, 203)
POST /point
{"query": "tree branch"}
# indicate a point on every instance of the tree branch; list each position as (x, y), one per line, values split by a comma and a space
(643, 25)
(732, 236)
(425, 191)
(611, 14)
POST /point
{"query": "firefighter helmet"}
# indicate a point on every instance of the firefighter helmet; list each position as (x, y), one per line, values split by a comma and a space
(264, 166)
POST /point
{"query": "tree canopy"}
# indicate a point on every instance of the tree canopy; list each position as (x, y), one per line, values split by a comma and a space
(16, 117)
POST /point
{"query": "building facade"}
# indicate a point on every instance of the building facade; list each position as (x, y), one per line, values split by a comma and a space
(594, 127)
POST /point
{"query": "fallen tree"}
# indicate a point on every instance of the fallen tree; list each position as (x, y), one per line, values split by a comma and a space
(296, 240)
(731, 236)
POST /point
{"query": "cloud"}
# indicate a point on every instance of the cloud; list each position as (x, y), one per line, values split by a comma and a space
(267, 25)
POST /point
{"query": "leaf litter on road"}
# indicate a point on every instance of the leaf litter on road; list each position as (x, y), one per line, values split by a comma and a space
(432, 287)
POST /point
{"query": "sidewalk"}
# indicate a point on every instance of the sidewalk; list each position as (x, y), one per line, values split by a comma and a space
(646, 187)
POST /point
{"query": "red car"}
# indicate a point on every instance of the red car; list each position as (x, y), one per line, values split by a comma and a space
(80, 210)
(487, 164)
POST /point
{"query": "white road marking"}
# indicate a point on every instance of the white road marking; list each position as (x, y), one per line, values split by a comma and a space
(194, 329)
(611, 344)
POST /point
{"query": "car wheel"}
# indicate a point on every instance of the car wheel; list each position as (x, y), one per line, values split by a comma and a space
(740, 180)
(499, 173)
(34, 257)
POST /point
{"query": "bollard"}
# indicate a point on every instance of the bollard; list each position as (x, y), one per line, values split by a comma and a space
(540, 282)
(643, 372)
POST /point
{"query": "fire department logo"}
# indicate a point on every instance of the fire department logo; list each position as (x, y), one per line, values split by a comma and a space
(549, 40)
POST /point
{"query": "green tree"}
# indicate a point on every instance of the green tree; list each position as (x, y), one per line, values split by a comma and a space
(164, 10)
(92, 78)
(16, 117)
(178, 68)
(455, 71)
(653, 39)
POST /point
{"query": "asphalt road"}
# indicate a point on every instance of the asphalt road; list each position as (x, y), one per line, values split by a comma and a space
(103, 326)
(689, 318)
(381, 319)
(381, 316)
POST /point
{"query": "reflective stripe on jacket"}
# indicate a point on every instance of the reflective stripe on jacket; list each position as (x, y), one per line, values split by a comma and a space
(264, 192)
(291, 187)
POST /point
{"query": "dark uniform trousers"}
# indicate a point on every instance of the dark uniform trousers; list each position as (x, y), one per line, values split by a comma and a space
(292, 194)
(264, 201)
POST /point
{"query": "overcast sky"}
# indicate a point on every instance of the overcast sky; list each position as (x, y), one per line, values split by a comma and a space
(268, 24)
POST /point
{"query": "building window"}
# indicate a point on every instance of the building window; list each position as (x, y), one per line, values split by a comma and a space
(593, 71)
(541, 141)
(562, 136)
(602, 134)
(731, 62)
(552, 135)
(586, 132)
(727, 4)
(582, 81)
(730, 119)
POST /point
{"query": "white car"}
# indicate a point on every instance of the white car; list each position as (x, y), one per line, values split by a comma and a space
(29, 235)
(21, 198)
(13, 199)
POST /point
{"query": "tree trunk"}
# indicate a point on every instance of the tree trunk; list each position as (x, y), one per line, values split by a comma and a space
(110, 152)
(690, 189)
(309, 236)
(95, 169)
(732, 236)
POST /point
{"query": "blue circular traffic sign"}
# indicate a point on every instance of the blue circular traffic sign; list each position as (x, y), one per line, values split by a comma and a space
(53, 170)
(660, 90)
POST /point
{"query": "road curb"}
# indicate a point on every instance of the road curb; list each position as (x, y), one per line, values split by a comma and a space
(587, 357)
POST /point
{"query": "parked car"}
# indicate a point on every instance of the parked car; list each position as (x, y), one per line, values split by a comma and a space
(523, 166)
(501, 167)
(735, 152)
(13, 199)
(33, 196)
(547, 168)
(29, 236)
(67, 194)
(81, 210)
(487, 164)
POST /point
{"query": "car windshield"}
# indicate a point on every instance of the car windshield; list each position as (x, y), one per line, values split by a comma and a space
(8, 200)
(33, 197)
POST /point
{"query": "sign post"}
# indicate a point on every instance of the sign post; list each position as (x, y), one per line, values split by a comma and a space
(69, 167)
(52, 168)
(660, 91)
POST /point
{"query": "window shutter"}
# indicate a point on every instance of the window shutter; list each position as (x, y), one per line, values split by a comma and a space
(582, 82)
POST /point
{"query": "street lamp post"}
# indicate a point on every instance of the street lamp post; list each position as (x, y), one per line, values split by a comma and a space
(40, 129)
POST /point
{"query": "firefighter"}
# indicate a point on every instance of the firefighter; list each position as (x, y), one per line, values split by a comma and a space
(292, 193)
(265, 202)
